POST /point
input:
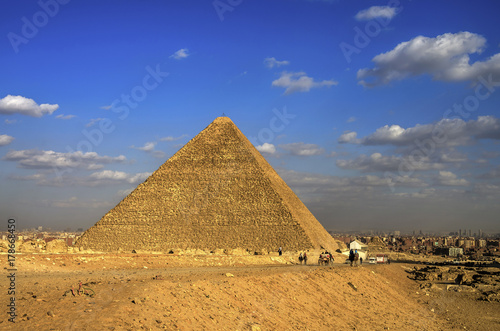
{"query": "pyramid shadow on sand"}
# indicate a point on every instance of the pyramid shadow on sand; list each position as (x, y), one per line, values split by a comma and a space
(216, 192)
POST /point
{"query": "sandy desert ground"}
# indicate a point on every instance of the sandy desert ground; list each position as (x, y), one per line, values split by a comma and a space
(223, 292)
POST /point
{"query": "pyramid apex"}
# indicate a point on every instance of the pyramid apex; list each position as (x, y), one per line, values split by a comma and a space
(222, 119)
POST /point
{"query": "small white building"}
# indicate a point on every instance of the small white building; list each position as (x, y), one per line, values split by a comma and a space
(362, 249)
(358, 245)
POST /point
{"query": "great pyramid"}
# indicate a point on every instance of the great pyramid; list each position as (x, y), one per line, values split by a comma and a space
(216, 192)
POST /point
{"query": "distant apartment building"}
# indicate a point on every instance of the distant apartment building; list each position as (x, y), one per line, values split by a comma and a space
(469, 243)
(455, 251)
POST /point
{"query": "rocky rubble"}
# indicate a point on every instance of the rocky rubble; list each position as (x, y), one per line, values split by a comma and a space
(484, 282)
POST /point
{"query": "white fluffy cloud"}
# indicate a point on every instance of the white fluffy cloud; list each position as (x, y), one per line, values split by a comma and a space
(271, 62)
(5, 139)
(148, 147)
(40, 159)
(180, 54)
(266, 148)
(445, 58)
(100, 178)
(302, 149)
(16, 104)
(447, 178)
(120, 176)
(299, 82)
(377, 162)
(455, 132)
(348, 137)
(376, 12)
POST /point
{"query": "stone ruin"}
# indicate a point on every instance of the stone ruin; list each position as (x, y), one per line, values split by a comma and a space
(217, 192)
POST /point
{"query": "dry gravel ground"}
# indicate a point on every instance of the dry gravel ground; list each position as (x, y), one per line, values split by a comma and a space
(143, 291)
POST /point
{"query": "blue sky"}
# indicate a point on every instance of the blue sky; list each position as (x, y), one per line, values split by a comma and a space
(378, 114)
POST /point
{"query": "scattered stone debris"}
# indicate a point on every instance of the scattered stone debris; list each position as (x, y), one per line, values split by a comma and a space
(484, 281)
(354, 287)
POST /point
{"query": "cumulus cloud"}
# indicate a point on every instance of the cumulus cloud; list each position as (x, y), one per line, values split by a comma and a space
(348, 137)
(453, 157)
(100, 178)
(447, 178)
(40, 159)
(316, 183)
(266, 148)
(16, 104)
(456, 132)
(374, 12)
(299, 82)
(120, 176)
(5, 139)
(377, 162)
(302, 149)
(180, 54)
(148, 147)
(64, 117)
(271, 62)
(444, 58)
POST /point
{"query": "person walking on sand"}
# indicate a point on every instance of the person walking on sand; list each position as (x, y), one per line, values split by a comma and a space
(280, 251)
(351, 256)
(305, 258)
(301, 258)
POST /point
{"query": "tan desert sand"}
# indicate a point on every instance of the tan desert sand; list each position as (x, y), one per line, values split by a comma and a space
(233, 292)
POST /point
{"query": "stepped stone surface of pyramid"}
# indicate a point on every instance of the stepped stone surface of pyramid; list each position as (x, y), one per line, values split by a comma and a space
(217, 192)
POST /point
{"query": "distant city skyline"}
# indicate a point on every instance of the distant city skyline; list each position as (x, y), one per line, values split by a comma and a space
(378, 114)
